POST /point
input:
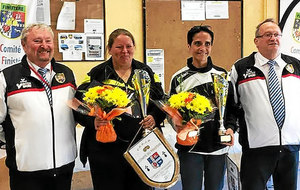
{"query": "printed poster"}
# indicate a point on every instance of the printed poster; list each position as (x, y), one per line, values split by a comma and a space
(290, 40)
(156, 61)
(14, 16)
(71, 45)
(233, 175)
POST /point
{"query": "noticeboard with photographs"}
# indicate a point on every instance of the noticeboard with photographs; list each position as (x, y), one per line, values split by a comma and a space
(81, 38)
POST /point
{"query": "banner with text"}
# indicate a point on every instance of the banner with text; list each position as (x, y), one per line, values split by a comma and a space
(14, 16)
(290, 43)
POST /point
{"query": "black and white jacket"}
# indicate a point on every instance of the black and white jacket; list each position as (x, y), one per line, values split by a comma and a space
(199, 80)
(258, 127)
(38, 136)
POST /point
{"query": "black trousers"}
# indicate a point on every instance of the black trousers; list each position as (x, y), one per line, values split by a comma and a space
(110, 171)
(257, 165)
(54, 179)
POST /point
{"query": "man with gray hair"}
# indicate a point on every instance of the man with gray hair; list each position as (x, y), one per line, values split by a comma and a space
(38, 125)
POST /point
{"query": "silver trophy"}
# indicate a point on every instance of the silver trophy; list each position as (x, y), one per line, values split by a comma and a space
(221, 85)
(141, 81)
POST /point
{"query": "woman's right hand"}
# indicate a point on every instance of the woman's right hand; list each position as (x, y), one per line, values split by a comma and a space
(98, 122)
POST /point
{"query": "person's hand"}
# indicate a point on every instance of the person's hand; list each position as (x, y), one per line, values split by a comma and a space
(148, 122)
(230, 132)
(98, 122)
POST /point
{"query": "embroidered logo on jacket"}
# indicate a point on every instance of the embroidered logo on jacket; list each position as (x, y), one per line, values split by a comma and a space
(290, 68)
(24, 84)
(60, 77)
(249, 73)
(182, 75)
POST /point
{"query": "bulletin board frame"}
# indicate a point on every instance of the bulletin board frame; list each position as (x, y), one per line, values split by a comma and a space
(85, 9)
(164, 29)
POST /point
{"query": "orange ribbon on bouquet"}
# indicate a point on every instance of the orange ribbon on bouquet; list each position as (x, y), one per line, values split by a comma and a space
(187, 135)
(173, 113)
(106, 133)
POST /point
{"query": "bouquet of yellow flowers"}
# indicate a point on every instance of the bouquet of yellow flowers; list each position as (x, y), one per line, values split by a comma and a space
(187, 110)
(106, 97)
(190, 105)
(106, 102)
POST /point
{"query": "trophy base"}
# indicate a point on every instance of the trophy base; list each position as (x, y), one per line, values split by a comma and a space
(225, 138)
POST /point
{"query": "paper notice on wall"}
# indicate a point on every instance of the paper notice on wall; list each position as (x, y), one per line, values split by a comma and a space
(93, 26)
(156, 61)
(43, 12)
(72, 55)
(94, 47)
(71, 45)
(192, 10)
(66, 17)
(216, 10)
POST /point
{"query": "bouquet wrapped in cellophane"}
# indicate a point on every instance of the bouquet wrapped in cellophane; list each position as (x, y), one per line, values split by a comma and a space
(187, 111)
(106, 102)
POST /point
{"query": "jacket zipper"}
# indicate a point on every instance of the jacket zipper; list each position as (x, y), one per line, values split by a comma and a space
(53, 134)
(53, 140)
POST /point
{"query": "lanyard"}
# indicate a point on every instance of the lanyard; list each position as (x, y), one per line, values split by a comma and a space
(39, 75)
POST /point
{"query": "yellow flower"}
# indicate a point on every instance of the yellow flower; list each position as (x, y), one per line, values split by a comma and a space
(106, 97)
(190, 105)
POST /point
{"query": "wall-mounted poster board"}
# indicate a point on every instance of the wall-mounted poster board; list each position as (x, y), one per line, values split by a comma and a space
(165, 29)
(85, 9)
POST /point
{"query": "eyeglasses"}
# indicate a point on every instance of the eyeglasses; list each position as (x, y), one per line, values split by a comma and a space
(269, 35)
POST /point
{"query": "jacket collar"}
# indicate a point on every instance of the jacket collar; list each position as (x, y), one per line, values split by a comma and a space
(26, 69)
(201, 70)
(284, 57)
(134, 64)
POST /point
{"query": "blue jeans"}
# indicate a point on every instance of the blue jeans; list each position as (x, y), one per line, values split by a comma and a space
(193, 166)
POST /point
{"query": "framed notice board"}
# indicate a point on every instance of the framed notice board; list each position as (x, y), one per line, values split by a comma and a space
(164, 29)
(85, 9)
